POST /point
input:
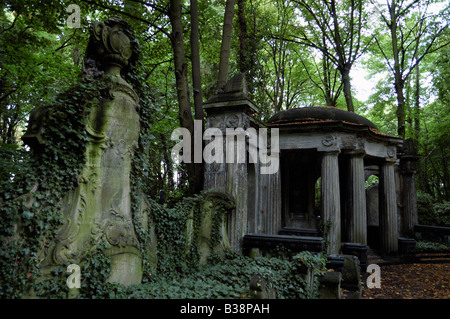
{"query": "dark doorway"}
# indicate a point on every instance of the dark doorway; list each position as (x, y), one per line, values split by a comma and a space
(300, 171)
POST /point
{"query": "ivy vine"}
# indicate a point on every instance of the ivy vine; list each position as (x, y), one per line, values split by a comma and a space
(30, 201)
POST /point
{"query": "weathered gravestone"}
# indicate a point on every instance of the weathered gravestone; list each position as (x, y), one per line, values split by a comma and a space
(330, 285)
(99, 208)
(351, 276)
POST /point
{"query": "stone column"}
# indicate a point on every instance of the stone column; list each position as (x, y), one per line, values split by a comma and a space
(357, 232)
(330, 201)
(410, 218)
(230, 111)
(388, 209)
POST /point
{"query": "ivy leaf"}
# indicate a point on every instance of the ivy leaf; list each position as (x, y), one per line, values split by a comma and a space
(27, 214)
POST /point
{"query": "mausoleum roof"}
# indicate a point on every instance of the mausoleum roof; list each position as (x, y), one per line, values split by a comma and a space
(311, 115)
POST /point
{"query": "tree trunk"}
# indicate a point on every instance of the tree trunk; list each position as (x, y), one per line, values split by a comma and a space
(195, 58)
(330, 101)
(226, 43)
(243, 54)
(345, 73)
(417, 109)
(197, 88)
(168, 164)
(185, 114)
(184, 106)
(399, 84)
(343, 65)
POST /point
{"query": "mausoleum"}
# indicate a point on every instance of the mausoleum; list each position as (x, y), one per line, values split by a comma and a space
(318, 192)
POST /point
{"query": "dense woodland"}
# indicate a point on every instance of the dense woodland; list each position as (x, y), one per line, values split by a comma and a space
(294, 53)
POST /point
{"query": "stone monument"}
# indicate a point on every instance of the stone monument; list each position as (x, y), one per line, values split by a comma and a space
(99, 208)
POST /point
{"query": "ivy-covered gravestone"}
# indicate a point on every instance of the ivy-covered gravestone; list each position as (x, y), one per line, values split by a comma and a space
(98, 210)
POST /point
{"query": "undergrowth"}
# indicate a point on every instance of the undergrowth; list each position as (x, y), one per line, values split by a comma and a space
(227, 278)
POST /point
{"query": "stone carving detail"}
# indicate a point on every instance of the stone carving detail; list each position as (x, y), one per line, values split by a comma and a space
(245, 121)
(118, 230)
(232, 120)
(63, 250)
(214, 167)
(236, 85)
(211, 203)
(108, 45)
(391, 151)
(126, 90)
(329, 140)
(216, 121)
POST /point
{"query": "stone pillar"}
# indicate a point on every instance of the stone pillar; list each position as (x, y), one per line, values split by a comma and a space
(330, 201)
(410, 218)
(230, 111)
(357, 232)
(388, 209)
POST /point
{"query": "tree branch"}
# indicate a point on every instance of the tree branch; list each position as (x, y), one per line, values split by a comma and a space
(163, 10)
(12, 25)
(384, 54)
(131, 16)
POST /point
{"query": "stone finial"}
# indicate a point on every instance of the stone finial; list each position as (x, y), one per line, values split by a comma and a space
(237, 84)
(109, 45)
(235, 89)
(409, 147)
(232, 96)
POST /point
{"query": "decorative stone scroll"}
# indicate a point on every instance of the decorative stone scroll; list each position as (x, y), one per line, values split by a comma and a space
(329, 140)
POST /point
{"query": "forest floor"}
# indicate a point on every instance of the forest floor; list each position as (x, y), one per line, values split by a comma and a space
(413, 281)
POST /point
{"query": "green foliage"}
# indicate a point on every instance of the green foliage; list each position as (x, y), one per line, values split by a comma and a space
(431, 247)
(35, 68)
(442, 211)
(177, 250)
(46, 61)
(324, 229)
(431, 212)
(434, 137)
(54, 287)
(372, 180)
(229, 277)
(423, 75)
(178, 274)
(171, 235)
(95, 271)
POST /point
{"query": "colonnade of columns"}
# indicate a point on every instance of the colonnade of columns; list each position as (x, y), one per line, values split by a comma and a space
(356, 202)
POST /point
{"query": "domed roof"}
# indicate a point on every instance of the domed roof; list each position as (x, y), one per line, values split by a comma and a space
(319, 115)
